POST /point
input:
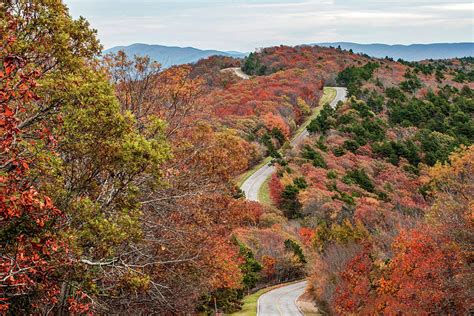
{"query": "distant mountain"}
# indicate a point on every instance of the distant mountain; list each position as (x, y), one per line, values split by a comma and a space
(413, 52)
(168, 56)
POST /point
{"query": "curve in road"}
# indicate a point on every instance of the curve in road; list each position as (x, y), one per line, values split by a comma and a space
(281, 301)
(252, 185)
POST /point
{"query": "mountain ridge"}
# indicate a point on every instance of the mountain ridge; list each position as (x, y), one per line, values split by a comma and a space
(176, 55)
(172, 55)
(410, 52)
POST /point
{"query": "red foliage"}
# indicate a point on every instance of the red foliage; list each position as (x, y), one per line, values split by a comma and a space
(268, 266)
(275, 189)
(423, 276)
(354, 290)
(244, 213)
(276, 94)
(28, 261)
(307, 235)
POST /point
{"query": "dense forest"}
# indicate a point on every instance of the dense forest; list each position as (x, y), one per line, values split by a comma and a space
(119, 178)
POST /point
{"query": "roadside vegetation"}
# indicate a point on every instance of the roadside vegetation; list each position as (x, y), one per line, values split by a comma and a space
(117, 177)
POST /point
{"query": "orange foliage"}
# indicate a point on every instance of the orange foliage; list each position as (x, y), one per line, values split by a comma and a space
(268, 266)
(306, 235)
(272, 121)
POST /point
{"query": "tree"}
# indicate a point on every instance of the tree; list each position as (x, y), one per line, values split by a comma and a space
(412, 83)
(289, 201)
(31, 247)
(36, 256)
(146, 90)
(253, 66)
(322, 123)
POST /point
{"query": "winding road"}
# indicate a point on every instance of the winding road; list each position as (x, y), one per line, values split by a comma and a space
(252, 185)
(281, 301)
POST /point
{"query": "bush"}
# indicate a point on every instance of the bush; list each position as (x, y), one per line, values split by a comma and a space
(322, 123)
(310, 154)
(359, 177)
(351, 145)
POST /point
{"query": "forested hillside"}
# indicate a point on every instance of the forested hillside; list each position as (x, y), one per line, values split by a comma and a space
(119, 178)
(383, 188)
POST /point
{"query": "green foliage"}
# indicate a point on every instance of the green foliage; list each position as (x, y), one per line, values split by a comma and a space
(321, 144)
(351, 145)
(322, 123)
(100, 145)
(375, 102)
(412, 83)
(253, 66)
(309, 153)
(289, 201)
(344, 197)
(352, 77)
(339, 151)
(394, 150)
(272, 151)
(250, 268)
(360, 121)
(444, 119)
(359, 177)
(300, 183)
(278, 135)
(436, 146)
(332, 174)
(395, 94)
(293, 246)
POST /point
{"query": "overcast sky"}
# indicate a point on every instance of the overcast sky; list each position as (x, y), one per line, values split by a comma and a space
(244, 25)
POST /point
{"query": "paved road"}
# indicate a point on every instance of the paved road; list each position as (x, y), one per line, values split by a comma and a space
(238, 72)
(281, 301)
(252, 185)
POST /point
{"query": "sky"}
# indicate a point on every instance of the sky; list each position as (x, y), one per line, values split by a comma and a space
(244, 25)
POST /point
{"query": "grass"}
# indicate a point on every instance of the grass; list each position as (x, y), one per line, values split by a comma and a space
(264, 193)
(328, 96)
(250, 303)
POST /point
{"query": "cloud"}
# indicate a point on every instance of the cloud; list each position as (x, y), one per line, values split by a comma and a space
(247, 24)
(463, 7)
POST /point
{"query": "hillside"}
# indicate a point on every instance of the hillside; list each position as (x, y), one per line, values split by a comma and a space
(169, 56)
(414, 52)
(368, 188)
(119, 179)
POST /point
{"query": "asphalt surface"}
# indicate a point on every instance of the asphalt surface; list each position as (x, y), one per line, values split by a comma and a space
(252, 185)
(281, 301)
